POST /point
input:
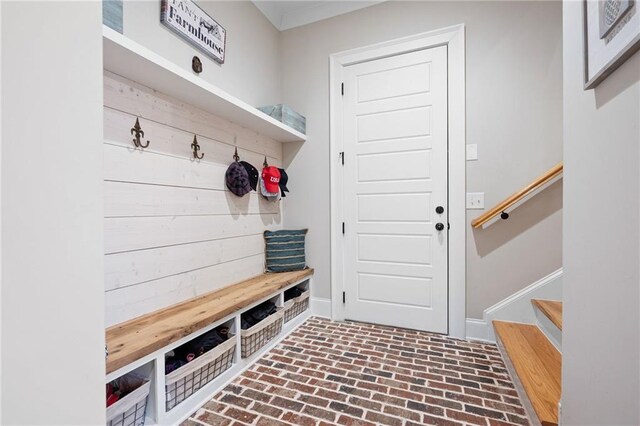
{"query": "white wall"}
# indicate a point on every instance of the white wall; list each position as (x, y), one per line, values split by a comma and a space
(173, 230)
(52, 270)
(251, 71)
(514, 115)
(601, 320)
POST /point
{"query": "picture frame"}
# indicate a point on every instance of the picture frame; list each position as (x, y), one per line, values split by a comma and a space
(611, 36)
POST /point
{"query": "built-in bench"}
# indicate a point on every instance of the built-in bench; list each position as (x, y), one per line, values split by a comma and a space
(147, 338)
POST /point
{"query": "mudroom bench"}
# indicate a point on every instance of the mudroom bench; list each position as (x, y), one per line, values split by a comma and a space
(137, 349)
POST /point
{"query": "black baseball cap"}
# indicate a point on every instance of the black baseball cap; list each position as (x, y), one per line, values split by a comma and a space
(253, 174)
(284, 178)
(237, 179)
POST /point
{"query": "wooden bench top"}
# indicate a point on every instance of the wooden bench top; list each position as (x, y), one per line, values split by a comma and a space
(136, 338)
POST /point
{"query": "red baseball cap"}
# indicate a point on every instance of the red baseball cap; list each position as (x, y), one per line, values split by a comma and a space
(271, 177)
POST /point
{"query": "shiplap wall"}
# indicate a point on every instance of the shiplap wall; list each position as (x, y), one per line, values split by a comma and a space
(172, 229)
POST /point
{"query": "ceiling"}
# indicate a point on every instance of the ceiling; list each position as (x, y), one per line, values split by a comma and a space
(285, 15)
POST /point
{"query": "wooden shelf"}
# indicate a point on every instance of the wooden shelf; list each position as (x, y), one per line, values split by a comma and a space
(552, 310)
(128, 59)
(537, 364)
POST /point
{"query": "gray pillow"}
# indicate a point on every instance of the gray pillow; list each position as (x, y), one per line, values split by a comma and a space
(285, 250)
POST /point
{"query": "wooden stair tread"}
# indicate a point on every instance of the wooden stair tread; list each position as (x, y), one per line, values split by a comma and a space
(552, 310)
(138, 337)
(538, 365)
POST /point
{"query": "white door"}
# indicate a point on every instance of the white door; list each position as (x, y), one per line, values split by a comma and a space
(395, 177)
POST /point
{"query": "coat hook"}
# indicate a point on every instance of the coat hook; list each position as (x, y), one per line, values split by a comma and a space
(196, 148)
(139, 133)
(265, 164)
(236, 157)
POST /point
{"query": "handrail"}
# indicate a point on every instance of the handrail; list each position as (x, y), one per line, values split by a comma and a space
(513, 199)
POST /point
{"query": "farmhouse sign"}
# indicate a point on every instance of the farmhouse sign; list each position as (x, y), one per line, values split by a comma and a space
(192, 24)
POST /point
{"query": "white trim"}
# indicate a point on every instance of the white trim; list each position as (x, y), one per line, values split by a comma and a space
(518, 307)
(321, 307)
(477, 330)
(313, 11)
(553, 333)
(454, 38)
(524, 293)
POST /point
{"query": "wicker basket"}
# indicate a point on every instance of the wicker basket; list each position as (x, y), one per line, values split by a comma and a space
(296, 306)
(260, 334)
(186, 380)
(130, 410)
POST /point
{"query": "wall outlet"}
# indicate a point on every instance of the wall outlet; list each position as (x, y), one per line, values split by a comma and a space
(472, 152)
(475, 200)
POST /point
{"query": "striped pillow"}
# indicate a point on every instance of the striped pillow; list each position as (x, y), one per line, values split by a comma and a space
(285, 250)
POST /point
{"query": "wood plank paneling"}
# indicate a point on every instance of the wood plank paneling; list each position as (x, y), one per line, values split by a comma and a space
(127, 96)
(175, 142)
(124, 199)
(173, 230)
(137, 233)
(130, 268)
(131, 302)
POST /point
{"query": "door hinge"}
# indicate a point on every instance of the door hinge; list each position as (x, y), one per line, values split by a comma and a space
(344, 297)
(448, 225)
(342, 88)
(342, 157)
(343, 227)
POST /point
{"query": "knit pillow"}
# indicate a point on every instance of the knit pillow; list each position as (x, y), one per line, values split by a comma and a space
(285, 250)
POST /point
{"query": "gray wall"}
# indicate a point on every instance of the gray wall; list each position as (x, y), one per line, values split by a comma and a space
(251, 71)
(51, 175)
(514, 114)
(601, 325)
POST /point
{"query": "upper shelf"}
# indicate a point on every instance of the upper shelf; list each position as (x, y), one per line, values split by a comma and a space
(128, 59)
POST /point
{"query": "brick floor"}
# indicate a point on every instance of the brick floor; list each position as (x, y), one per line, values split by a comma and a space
(352, 374)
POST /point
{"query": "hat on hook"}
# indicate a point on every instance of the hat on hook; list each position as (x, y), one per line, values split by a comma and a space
(271, 196)
(253, 174)
(284, 178)
(271, 177)
(237, 179)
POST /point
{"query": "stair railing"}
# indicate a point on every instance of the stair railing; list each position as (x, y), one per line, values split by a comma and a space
(501, 208)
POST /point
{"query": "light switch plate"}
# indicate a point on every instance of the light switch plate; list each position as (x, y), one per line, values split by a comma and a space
(475, 200)
(472, 152)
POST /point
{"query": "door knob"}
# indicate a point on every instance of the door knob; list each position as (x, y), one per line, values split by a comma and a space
(439, 226)
(439, 209)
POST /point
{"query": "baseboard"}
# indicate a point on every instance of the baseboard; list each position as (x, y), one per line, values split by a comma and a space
(518, 307)
(477, 330)
(321, 307)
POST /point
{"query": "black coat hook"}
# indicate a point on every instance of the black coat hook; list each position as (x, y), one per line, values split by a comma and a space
(236, 157)
(196, 148)
(265, 164)
(139, 133)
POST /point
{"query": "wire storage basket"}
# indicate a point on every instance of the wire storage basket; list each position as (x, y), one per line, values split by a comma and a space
(296, 306)
(130, 410)
(188, 379)
(260, 334)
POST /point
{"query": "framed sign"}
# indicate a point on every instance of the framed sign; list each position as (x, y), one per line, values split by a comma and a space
(193, 24)
(611, 36)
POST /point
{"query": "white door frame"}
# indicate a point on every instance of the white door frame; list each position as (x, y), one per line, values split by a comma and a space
(454, 38)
